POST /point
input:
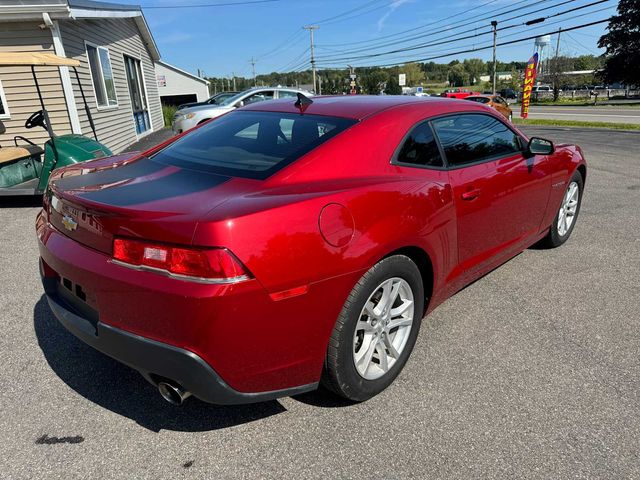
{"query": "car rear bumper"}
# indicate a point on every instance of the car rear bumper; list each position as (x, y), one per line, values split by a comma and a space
(155, 360)
(255, 346)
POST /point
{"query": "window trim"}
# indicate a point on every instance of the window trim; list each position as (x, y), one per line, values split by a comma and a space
(522, 141)
(396, 152)
(145, 91)
(3, 98)
(93, 85)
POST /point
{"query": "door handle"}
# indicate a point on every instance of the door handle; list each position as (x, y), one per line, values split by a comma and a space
(471, 194)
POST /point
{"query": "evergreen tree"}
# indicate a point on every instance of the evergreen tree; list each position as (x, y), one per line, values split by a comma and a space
(623, 45)
(393, 87)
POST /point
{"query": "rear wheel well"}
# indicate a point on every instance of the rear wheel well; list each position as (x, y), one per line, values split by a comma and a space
(203, 120)
(424, 264)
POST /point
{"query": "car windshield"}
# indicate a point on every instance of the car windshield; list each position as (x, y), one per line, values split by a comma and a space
(251, 144)
(227, 102)
(479, 99)
(220, 97)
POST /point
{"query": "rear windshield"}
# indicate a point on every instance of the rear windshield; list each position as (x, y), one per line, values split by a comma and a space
(479, 99)
(251, 144)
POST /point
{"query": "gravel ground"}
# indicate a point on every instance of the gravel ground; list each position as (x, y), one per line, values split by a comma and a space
(531, 372)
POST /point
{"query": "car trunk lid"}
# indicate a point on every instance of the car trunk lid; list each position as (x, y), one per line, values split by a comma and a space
(137, 198)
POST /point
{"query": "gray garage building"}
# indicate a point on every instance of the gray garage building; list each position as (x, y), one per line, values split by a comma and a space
(177, 86)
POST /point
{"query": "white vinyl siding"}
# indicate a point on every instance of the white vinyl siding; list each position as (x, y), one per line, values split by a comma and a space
(102, 76)
(115, 125)
(20, 90)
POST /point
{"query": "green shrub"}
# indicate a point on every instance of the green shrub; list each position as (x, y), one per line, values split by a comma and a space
(168, 111)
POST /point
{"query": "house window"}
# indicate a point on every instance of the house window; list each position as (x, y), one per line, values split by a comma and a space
(102, 76)
(4, 108)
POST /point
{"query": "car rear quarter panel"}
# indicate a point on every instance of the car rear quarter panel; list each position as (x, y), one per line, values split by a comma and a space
(275, 232)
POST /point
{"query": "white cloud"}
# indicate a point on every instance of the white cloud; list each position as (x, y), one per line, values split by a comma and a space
(392, 8)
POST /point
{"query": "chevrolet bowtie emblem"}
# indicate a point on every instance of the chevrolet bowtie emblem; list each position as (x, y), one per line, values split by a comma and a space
(69, 223)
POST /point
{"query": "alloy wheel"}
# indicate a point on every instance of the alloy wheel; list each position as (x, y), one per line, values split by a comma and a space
(568, 208)
(383, 328)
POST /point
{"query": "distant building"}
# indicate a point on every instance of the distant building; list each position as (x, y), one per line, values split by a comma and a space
(499, 75)
(176, 86)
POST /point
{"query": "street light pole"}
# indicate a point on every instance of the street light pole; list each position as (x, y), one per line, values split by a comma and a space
(494, 24)
(311, 28)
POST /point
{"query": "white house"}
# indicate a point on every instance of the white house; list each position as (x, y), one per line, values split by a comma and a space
(176, 86)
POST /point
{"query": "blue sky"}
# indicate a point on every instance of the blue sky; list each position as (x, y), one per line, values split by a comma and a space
(221, 40)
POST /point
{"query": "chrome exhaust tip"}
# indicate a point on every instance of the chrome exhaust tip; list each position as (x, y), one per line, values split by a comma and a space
(173, 393)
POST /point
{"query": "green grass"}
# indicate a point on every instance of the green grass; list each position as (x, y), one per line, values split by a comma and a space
(575, 123)
(167, 112)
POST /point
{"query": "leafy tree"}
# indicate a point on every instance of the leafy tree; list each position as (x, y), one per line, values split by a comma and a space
(373, 82)
(458, 76)
(393, 87)
(587, 62)
(474, 68)
(622, 43)
(415, 75)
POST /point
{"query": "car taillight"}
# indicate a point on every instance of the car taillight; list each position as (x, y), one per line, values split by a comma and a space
(209, 264)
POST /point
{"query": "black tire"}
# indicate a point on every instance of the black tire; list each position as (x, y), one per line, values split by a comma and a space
(554, 238)
(340, 374)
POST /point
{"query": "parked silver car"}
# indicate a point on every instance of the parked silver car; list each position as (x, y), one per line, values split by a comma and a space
(190, 117)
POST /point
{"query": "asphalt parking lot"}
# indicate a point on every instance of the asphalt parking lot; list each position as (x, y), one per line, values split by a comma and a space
(531, 372)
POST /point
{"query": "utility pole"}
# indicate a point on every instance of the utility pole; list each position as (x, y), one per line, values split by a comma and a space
(494, 24)
(558, 44)
(311, 28)
(319, 85)
(253, 66)
(233, 74)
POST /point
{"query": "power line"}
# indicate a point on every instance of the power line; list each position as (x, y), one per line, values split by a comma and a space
(435, 22)
(455, 39)
(282, 46)
(478, 49)
(449, 39)
(206, 5)
(356, 9)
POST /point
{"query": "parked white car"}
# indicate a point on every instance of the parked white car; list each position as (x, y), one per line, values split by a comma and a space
(190, 117)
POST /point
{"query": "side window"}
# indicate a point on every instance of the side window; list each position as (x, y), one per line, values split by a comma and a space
(420, 148)
(286, 94)
(468, 138)
(102, 76)
(259, 97)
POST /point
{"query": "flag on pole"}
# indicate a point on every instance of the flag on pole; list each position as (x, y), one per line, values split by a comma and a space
(527, 86)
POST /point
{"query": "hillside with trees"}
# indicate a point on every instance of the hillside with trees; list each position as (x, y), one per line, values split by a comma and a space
(374, 80)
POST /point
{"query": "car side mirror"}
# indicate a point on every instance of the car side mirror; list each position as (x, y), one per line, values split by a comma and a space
(240, 104)
(540, 146)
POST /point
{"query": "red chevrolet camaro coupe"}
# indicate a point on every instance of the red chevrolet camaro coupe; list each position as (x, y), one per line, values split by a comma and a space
(286, 245)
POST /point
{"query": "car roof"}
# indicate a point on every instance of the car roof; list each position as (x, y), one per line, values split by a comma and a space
(358, 107)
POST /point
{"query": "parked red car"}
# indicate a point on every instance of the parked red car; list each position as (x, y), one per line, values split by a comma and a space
(458, 93)
(281, 246)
